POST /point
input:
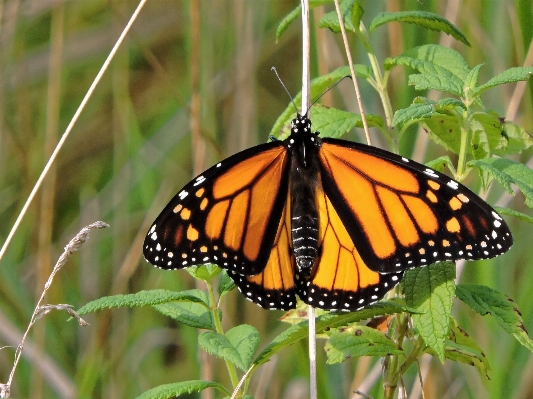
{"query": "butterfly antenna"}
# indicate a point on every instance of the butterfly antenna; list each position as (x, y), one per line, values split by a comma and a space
(328, 89)
(285, 87)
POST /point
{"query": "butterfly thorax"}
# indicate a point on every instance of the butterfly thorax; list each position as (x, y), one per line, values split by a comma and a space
(304, 178)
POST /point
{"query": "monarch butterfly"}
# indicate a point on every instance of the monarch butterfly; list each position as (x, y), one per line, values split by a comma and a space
(332, 221)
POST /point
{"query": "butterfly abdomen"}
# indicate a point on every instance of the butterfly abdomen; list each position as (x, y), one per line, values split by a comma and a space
(304, 213)
(304, 229)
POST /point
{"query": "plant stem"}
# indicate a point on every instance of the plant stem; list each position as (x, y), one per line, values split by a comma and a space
(380, 80)
(413, 356)
(391, 363)
(461, 164)
(218, 325)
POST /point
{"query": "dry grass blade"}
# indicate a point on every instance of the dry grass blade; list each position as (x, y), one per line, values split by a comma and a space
(352, 71)
(40, 310)
(70, 127)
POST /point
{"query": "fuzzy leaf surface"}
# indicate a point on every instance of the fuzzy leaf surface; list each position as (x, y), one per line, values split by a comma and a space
(188, 313)
(440, 68)
(237, 346)
(176, 389)
(424, 19)
(511, 75)
(508, 172)
(351, 12)
(357, 341)
(430, 290)
(485, 300)
(144, 298)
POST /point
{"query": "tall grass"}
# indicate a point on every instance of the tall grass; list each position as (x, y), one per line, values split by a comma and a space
(179, 97)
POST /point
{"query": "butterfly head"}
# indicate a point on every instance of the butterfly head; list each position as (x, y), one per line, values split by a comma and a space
(302, 140)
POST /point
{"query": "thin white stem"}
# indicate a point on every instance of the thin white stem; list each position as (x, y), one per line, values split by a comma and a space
(352, 71)
(306, 91)
(70, 126)
(305, 56)
(312, 353)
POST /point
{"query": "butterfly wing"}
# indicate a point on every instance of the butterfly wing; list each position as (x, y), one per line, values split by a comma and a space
(228, 215)
(402, 214)
(274, 287)
(341, 280)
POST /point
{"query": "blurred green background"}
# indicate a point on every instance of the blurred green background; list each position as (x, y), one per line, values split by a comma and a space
(191, 85)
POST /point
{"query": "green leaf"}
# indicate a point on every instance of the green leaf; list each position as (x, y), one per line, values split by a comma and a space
(465, 350)
(414, 112)
(510, 75)
(332, 122)
(225, 284)
(330, 320)
(440, 163)
(444, 130)
(424, 19)
(363, 71)
(431, 290)
(512, 212)
(179, 388)
(450, 104)
(517, 140)
(422, 109)
(318, 86)
(372, 121)
(204, 272)
(430, 81)
(461, 348)
(237, 346)
(351, 12)
(287, 21)
(359, 341)
(441, 68)
(506, 171)
(485, 300)
(188, 313)
(291, 17)
(487, 134)
(471, 79)
(144, 298)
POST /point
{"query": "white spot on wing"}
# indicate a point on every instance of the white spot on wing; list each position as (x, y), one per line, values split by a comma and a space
(199, 180)
(453, 184)
(431, 172)
(183, 194)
